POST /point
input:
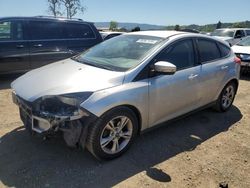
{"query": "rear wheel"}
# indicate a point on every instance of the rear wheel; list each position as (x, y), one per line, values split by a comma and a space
(113, 133)
(226, 98)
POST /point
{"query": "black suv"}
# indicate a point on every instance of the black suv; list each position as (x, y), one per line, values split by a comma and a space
(31, 42)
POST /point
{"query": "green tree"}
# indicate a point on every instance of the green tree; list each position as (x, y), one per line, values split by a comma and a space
(137, 28)
(177, 27)
(219, 24)
(113, 25)
(238, 25)
(123, 29)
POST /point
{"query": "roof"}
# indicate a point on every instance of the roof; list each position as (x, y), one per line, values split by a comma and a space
(161, 34)
(47, 18)
(233, 29)
(111, 32)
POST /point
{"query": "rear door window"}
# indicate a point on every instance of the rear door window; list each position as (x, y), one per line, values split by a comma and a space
(208, 50)
(181, 54)
(79, 31)
(43, 30)
(11, 30)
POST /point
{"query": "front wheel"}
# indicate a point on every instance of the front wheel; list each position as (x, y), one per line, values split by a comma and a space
(226, 98)
(113, 133)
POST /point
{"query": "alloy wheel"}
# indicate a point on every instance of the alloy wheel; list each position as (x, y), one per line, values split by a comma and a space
(228, 96)
(116, 135)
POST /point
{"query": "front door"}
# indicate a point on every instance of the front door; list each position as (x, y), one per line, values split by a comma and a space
(174, 95)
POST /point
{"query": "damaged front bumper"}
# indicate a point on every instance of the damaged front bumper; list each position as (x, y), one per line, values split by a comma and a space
(74, 126)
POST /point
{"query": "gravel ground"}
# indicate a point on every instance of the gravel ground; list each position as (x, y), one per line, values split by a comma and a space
(206, 149)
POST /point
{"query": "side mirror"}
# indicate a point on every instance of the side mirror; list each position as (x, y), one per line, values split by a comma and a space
(164, 67)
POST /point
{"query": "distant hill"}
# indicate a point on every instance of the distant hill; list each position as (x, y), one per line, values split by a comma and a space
(130, 26)
(205, 28)
(212, 27)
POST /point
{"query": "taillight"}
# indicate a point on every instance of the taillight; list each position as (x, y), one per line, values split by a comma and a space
(237, 60)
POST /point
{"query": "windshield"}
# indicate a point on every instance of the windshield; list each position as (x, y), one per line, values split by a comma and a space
(244, 42)
(223, 33)
(120, 53)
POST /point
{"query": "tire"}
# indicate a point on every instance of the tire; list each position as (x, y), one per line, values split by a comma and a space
(113, 133)
(226, 98)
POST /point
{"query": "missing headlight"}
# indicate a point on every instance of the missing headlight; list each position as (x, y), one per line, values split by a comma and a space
(62, 105)
(57, 107)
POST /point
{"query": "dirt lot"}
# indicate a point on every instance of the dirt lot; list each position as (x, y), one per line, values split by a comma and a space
(206, 149)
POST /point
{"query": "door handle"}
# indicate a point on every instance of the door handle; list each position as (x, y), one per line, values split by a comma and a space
(224, 67)
(192, 76)
(20, 46)
(38, 45)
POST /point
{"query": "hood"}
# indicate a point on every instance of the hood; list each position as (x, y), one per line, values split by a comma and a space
(241, 49)
(64, 77)
(224, 38)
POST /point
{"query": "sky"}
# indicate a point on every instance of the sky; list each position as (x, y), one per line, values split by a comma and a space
(158, 12)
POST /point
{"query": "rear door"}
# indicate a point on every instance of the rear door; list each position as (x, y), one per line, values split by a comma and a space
(14, 49)
(48, 43)
(214, 67)
(81, 36)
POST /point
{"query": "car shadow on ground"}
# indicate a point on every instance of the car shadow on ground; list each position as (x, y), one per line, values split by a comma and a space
(5, 80)
(27, 161)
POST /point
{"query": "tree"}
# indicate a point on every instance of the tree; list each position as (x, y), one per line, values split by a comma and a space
(123, 29)
(73, 7)
(238, 25)
(177, 27)
(113, 25)
(219, 24)
(54, 7)
(136, 29)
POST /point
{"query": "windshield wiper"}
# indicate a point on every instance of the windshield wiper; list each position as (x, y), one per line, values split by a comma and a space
(92, 64)
(102, 66)
(96, 65)
(75, 59)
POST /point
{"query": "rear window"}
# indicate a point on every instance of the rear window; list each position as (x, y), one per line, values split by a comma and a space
(46, 30)
(208, 50)
(79, 31)
(225, 51)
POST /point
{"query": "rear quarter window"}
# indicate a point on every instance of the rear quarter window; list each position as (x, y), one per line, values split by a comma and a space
(208, 50)
(79, 31)
(224, 50)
